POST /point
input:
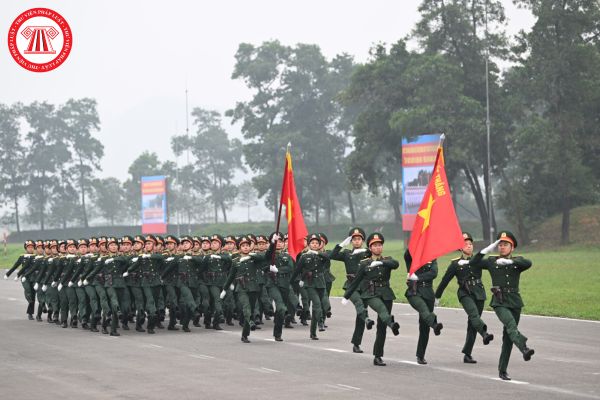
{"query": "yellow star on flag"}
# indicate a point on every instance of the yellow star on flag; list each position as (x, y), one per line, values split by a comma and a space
(426, 212)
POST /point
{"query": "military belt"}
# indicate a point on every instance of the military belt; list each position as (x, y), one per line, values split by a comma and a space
(424, 284)
(509, 290)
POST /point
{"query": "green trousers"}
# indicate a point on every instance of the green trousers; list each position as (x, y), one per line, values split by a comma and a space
(427, 319)
(383, 308)
(72, 301)
(217, 304)
(317, 298)
(53, 301)
(102, 299)
(475, 324)
(361, 317)
(64, 304)
(510, 334)
(279, 296)
(93, 297)
(83, 309)
(187, 304)
(247, 301)
(29, 292)
(151, 294)
(204, 299)
(116, 296)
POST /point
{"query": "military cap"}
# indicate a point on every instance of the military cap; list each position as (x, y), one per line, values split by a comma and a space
(218, 238)
(160, 239)
(261, 238)
(356, 231)
(323, 237)
(204, 239)
(71, 242)
(111, 239)
(285, 237)
(102, 240)
(186, 238)
(230, 239)
(196, 239)
(281, 237)
(61, 245)
(252, 237)
(82, 242)
(93, 240)
(507, 236)
(171, 239)
(150, 238)
(127, 239)
(313, 236)
(375, 237)
(243, 239)
(53, 243)
(139, 238)
(467, 236)
(28, 243)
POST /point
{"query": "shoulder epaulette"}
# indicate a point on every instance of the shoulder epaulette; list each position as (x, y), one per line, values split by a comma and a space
(456, 259)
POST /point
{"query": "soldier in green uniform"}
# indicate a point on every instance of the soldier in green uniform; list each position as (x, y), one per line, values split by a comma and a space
(244, 273)
(311, 266)
(471, 295)
(303, 309)
(202, 248)
(373, 279)
(351, 260)
(113, 267)
(66, 267)
(230, 302)
(83, 265)
(264, 305)
(95, 277)
(505, 270)
(52, 266)
(31, 274)
(218, 264)
(25, 261)
(421, 298)
(329, 278)
(134, 282)
(42, 274)
(161, 300)
(149, 264)
(169, 278)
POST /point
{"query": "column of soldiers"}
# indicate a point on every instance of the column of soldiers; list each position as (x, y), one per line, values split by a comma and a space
(109, 282)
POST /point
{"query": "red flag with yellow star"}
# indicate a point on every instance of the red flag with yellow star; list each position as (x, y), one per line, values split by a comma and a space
(296, 228)
(436, 230)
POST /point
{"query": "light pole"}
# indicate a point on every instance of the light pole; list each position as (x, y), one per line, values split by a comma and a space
(487, 125)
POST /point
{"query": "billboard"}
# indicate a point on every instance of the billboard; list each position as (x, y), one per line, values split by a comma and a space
(418, 157)
(154, 204)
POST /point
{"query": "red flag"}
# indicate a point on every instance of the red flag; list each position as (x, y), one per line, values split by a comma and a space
(436, 230)
(296, 227)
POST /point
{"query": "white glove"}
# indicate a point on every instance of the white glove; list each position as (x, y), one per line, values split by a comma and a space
(134, 259)
(17, 278)
(436, 302)
(54, 284)
(358, 251)
(50, 260)
(44, 287)
(463, 262)
(78, 261)
(273, 268)
(80, 283)
(172, 258)
(60, 286)
(215, 256)
(504, 261)
(125, 274)
(375, 263)
(109, 260)
(85, 282)
(346, 241)
(222, 295)
(36, 286)
(23, 279)
(145, 255)
(244, 258)
(490, 247)
(231, 287)
(5, 277)
(275, 238)
(413, 277)
(252, 254)
(301, 283)
(344, 301)
(312, 252)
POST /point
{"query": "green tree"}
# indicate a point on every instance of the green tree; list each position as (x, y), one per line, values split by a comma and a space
(109, 198)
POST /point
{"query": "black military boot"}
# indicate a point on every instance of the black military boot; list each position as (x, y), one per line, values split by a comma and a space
(303, 318)
(421, 360)
(321, 327)
(38, 316)
(159, 324)
(314, 337)
(487, 338)
(356, 349)
(437, 328)
(113, 327)
(151, 322)
(504, 376)
(527, 353)
(30, 317)
(139, 327)
(73, 322)
(64, 324)
(245, 339)
(369, 323)
(395, 328)
(207, 319)
(30, 311)
(229, 321)
(378, 362)
(104, 325)
(467, 359)
(278, 339)
(173, 321)
(288, 322)
(85, 325)
(196, 321)
(56, 320)
(94, 327)
(49, 317)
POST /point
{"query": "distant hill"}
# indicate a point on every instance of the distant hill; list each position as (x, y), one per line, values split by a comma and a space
(585, 228)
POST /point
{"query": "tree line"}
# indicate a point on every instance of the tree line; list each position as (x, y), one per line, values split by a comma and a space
(346, 120)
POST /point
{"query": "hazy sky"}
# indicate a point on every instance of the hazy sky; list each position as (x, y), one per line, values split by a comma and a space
(135, 57)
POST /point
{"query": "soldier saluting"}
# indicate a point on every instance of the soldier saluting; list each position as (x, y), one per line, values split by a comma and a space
(471, 295)
(373, 278)
(505, 270)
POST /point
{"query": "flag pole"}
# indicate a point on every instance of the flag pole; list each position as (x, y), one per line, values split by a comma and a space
(289, 145)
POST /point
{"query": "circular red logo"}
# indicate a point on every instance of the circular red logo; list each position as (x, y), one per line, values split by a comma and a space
(40, 39)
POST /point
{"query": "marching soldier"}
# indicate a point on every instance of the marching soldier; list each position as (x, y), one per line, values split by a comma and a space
(84, 265)
(421, 298)
(134, 282)
(278, 286)
(471, 295)
(351, 260)
(329, 278)
(218, 264)
(505, 270)
(96, 278)
(25, 261)
(112, 266)
(169, 277)
(264, 304)
(373, 277)
(311, 266)
(30, 275)
(52, 266)
(67, 297)
(202, 246)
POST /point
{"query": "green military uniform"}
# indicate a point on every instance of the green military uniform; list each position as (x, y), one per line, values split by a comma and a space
(351, 260)
(311, 267)
(421, 297)
(506, 300)
(216, 270)
(329, 279)
(96, 278)
(52, 299)
(244, 273)
(373, 281)
(203, 292)
(25, 261)
(113, 266)
(134, 282)
(471, 295)
(169, 277)
(68, 303)
(278, 286)
(85, 264)
(30, 274)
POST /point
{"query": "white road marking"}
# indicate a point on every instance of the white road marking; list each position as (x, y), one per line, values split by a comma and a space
(511, 381)
(348, 386)
(202, 356)
(269, 369)
(11, 299)
(336, 350)
(264, 370)
(152, 345)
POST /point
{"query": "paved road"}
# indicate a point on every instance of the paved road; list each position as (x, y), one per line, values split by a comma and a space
(42, 360)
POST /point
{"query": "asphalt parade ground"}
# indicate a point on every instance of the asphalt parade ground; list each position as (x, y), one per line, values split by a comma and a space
(42, 360)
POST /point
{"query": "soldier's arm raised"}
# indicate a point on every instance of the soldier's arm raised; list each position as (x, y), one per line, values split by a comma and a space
(390, 263)
(522, 263)
(16, 265)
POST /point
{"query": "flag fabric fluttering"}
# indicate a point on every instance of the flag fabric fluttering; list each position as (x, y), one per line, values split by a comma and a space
(296, 227)
(436, 230)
